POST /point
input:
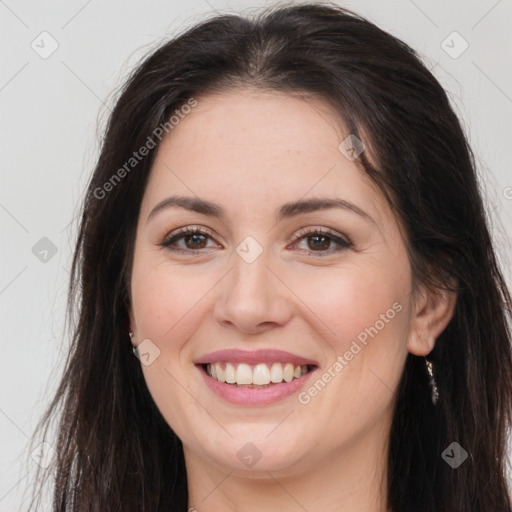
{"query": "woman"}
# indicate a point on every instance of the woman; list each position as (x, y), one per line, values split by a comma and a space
(287, 294)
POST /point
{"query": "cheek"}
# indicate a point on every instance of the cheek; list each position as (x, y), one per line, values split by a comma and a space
(167, 304)
(362, 315)
(354, 303)
(166, 301)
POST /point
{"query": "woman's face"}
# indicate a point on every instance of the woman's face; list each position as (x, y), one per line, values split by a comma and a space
(262, 285)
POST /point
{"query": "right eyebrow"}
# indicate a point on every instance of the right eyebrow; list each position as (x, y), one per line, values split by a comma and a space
(194, 204)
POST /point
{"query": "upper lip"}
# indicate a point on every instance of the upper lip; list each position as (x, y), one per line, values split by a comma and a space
(254, 357)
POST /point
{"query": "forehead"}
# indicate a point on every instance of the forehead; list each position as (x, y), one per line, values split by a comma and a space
(247, 145)
(255, 120)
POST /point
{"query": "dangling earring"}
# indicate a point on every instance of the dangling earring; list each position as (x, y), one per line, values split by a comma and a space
(133, 347)
(432, 381)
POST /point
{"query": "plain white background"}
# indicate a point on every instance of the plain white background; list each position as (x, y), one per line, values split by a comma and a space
(49, 143)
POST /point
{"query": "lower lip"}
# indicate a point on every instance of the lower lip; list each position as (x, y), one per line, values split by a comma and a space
(254, 396)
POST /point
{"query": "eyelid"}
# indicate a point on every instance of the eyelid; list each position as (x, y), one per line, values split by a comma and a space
(187, 230)
(342, 242)
(313, 230)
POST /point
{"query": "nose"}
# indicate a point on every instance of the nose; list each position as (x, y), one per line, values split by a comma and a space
(253, 299)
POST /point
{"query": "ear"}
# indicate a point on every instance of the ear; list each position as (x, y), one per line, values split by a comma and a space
(433, 311)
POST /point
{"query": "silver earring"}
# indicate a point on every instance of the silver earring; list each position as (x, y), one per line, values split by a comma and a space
(134, 349)
(432, 381)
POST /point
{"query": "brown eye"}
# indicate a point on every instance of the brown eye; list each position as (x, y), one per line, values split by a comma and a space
(319, 241)
(194, 239)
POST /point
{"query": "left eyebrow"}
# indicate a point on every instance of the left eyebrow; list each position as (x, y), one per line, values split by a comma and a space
(323, 203)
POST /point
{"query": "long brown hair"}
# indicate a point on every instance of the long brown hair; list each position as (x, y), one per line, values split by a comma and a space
(115, 452)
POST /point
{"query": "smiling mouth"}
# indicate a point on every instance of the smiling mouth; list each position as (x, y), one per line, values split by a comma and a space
(255, 376)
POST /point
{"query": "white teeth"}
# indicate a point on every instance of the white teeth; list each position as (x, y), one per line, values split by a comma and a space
(276, 373)
(221, 374)
(261, 374)
(230, 373)
(288, 372)
(243, 374)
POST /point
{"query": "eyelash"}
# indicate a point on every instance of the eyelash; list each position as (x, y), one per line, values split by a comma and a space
(303, 234)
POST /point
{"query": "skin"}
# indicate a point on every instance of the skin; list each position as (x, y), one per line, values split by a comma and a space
(250, 152)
